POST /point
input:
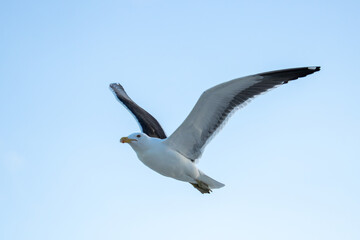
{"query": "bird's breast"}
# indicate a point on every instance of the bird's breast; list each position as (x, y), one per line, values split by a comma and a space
(168, 162)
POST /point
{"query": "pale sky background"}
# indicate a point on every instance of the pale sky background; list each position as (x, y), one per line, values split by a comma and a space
(290, 159)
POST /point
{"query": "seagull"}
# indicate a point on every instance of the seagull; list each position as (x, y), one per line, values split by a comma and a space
(176, 156)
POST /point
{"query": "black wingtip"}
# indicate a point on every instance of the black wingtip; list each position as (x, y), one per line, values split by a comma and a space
(303, 72)
(290, 74)
(118, 91)
(315, 68)
(115, 86)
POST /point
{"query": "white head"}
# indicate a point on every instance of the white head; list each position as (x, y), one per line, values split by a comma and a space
(138, 141)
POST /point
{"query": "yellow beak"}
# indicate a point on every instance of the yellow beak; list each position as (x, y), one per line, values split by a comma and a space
(127, 140)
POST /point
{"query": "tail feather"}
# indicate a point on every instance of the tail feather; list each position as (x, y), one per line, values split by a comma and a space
(212, 183)
(205, 183)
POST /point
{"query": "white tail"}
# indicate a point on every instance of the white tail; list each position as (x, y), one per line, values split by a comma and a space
(209, 181)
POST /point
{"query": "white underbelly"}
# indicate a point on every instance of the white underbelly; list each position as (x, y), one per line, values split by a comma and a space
(170, 164)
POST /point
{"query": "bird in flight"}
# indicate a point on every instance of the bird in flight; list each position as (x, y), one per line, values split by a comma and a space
(176, 156)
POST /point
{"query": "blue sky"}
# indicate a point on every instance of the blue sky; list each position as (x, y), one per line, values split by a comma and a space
(289, 159)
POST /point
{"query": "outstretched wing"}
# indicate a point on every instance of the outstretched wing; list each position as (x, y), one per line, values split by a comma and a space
(215, 105)
(149, 125)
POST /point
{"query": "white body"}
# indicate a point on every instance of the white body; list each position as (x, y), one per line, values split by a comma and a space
(169, 163)
(157, 155)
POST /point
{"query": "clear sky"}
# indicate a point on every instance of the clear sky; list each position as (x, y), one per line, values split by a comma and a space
(290, 159)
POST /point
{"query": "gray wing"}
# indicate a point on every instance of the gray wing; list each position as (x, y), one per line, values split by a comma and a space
(148, 123)
(215, 105)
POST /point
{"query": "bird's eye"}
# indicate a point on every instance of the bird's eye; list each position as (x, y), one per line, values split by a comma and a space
(138, 135)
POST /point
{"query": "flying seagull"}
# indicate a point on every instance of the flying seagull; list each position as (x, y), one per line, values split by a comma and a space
(175, 156)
